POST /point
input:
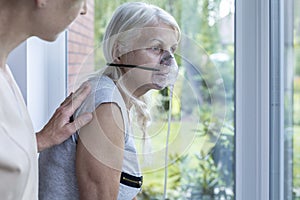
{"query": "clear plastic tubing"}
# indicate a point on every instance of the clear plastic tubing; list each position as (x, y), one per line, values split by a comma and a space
(167, 141)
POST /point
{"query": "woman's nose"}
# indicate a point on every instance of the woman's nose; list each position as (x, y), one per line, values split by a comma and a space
(84, 8)
(166, 58)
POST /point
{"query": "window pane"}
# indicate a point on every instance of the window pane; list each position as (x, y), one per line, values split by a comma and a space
(201, 154)
(292, 99)
(288, 98)
(296, 100)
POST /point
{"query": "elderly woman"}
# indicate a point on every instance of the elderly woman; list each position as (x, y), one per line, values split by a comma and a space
(19, 145)
(138, 45)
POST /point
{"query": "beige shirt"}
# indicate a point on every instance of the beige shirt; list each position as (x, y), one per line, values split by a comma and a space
(18, 149)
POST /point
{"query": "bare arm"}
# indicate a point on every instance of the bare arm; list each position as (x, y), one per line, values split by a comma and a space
(59, 128)
(99, 155)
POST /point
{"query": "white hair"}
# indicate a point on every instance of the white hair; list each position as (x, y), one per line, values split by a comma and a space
(129, 17)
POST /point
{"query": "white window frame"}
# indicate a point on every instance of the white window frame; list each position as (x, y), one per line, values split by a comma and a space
(40, 69)
(276, 92)
(252, 99)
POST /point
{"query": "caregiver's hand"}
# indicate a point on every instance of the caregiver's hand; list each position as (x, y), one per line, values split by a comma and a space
(59, 128)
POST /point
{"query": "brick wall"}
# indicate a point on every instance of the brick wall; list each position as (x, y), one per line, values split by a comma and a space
(80, 47)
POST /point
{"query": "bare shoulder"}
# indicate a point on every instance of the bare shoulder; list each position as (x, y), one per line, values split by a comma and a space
(103, 137)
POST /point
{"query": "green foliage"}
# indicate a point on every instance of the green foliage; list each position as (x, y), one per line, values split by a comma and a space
(165, 100)
(154, 191)
(207, 175)
(296, 109)
(297, 85)
(191, 181)
(296, 160)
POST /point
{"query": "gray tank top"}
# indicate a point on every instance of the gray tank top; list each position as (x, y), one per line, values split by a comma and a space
(57, 179)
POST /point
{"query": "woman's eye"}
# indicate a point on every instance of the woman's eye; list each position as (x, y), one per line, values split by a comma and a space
(173, 49)
(156, 49)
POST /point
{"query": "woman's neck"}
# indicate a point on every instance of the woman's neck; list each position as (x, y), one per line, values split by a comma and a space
(13, 32)
(127, 96)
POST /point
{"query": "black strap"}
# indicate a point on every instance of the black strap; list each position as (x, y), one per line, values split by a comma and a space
(132, 66)
(131, 181)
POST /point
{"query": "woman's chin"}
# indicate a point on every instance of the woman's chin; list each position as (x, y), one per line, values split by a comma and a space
(159, 86)
(160, 82)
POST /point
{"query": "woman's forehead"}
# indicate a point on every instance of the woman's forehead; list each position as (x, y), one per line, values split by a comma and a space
(162, 35)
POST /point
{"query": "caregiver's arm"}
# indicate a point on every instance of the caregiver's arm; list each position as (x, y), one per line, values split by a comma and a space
(99, 155)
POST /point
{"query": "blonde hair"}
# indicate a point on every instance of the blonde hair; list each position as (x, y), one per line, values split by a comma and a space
(120, 33)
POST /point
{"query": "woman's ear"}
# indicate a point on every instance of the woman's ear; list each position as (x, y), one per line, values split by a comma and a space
(41, 3)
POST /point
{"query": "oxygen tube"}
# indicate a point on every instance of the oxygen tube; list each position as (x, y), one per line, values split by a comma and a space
(172, 76)
(167, 141)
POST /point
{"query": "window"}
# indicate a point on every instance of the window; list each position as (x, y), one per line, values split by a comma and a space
(284, 177)
(266, 100)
